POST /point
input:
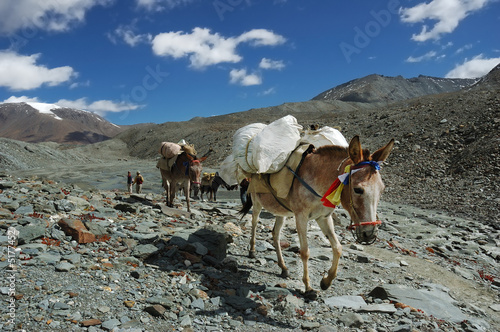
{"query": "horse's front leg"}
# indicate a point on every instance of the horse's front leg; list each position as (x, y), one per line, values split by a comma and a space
(326, 225)
(187, 188)
(301, 225)
(257, 207)
(276, 241)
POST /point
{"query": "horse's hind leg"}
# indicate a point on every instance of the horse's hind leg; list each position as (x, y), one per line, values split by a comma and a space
(257, 207)
(276, 241)
(326, 225)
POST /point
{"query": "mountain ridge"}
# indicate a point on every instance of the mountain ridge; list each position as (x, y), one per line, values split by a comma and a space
(40, 122)
(377, 88)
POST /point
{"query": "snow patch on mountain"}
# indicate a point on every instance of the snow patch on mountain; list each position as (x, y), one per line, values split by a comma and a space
(45, 108)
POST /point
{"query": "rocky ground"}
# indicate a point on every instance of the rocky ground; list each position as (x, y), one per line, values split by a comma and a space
(88, 258)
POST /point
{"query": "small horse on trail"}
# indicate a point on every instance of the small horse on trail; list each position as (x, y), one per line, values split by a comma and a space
(186, 170)
(212, 185)
(319, 169)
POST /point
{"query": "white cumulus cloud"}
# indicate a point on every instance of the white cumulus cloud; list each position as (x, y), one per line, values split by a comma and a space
(129, 36)
(21, 72)
(241, 77)
(427, 56)
(446, 13)
(21, 99)
(160, 5)
(477, 67)
(266, 63)
(100, 107)
(50, 15)
(204, 48)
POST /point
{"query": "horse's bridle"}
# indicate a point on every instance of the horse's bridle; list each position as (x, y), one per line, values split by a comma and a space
(187, 165)
(352, 226)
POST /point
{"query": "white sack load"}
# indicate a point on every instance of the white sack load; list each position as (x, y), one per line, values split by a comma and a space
(230, 171)
(169, 149)
(242, 152)
(274, 144)
(324, 136)
(260, 148)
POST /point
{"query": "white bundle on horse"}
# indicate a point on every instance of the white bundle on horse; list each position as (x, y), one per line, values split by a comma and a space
(258, 148)
(230, 171)
(324, 136)
(169, 149)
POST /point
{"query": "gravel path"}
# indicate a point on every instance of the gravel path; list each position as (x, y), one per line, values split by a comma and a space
(157, 269)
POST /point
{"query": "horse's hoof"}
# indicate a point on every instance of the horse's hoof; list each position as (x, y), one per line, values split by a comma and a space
(251, 254)
(325, 285)
(284, 274)
(311, 294)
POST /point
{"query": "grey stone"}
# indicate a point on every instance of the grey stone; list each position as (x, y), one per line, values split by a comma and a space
(125, 207)
(50, 258)
(110, 324)
(262, 246)
(274, 292)
(186, 321)
(145, 238)
(198, 304)
(310, 325)
(433, 300)
(79, 203)
(161, 300)
(143, 251)
(384, 308)
(64, 267)
(64, 205)
(26, 209)
(352, 319)
(239, 302)
(7, 185)
(348, 301)
(95, 228)
(61, 306)
(73, 258)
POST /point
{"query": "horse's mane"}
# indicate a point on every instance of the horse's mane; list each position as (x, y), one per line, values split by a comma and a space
(338, 150)
(331, 149)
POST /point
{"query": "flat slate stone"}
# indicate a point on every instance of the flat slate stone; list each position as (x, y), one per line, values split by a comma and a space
(348, 301)
(433, 300)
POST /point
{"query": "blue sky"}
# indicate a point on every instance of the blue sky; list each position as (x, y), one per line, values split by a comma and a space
(136, 61)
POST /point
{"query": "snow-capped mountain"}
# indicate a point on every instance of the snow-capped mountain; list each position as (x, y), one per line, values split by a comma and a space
(39, 122)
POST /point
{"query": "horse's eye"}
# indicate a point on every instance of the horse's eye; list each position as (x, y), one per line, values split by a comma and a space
(359, 191)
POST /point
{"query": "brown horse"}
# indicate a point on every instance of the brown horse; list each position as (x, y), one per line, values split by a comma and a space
(186, 170)
(318, 171)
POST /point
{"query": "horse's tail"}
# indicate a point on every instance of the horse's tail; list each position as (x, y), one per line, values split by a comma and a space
(246, 207)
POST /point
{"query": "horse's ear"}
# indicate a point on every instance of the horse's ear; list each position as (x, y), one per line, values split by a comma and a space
(202, 159)
(189, 157)
(382, 153)
(355, 151)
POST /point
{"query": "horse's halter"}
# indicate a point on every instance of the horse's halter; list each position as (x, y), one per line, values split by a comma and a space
(352, 226)
(188, 165)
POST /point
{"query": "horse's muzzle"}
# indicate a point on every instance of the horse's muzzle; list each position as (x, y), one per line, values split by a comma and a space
(365, 232)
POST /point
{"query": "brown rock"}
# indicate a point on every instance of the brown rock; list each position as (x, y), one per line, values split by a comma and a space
(155, 310)
(76, 229)
(129, 303)
(90, 322)
(192, 258)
